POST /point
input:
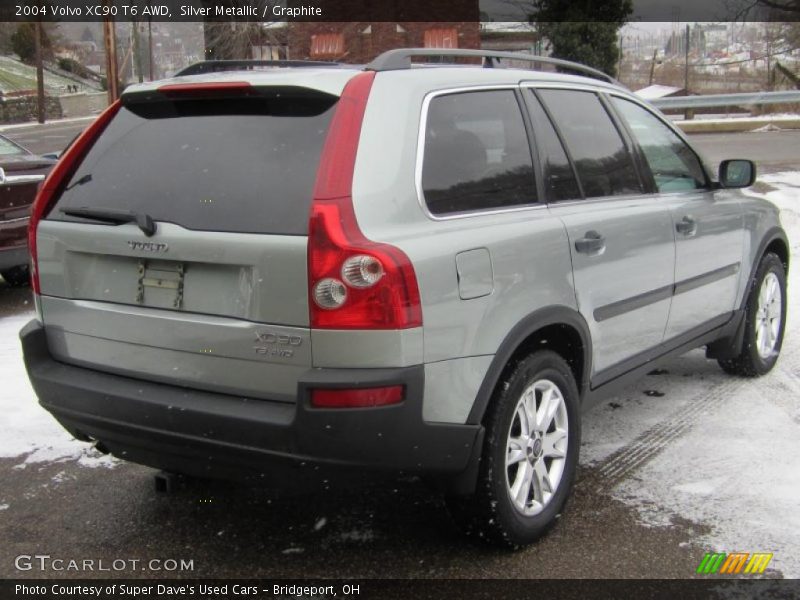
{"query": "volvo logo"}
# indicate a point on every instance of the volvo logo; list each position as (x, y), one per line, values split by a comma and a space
(148, 246)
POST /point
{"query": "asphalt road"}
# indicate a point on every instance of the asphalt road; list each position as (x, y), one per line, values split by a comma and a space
(50, 137)
(315, 526)
(771, 150)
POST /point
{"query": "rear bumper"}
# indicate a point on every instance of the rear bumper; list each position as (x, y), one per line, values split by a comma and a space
(218, 435)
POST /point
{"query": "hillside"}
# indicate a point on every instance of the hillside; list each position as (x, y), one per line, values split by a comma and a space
(16, 76)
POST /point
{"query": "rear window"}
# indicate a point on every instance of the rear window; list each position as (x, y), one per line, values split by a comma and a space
(243, 165)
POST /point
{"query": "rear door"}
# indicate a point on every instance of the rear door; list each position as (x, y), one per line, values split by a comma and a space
(621, 240)
(708, 227)
(216, 299)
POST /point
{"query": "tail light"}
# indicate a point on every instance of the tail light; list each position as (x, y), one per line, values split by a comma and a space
(354, 282)
(206, 90)
(58, 178)
(357, 397)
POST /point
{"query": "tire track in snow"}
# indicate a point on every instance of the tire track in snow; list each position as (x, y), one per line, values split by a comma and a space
(621, 463)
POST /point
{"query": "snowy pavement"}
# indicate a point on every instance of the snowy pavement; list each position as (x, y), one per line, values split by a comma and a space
(30, 434)
(716, 450)
(710, 464)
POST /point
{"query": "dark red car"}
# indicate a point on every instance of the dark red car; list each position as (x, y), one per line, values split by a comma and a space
(21, 172)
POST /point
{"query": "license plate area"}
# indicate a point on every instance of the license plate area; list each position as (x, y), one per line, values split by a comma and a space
(160, 283)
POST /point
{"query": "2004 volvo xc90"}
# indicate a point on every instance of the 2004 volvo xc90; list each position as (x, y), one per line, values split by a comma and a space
(428, 269)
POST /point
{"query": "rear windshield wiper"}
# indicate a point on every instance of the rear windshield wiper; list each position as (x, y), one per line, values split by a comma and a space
(111, 215)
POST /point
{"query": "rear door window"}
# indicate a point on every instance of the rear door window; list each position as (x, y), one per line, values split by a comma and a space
(476, 155)
(604, 164)
(559, 178)
(241, 164)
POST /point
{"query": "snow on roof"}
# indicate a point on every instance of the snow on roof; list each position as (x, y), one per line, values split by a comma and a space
(507, 27)
(657, 91)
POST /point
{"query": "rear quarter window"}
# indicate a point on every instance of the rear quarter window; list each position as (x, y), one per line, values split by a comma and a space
(476, 155)
(245, 164)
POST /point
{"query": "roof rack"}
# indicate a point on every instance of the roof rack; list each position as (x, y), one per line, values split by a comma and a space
(400, 58)
(214, 66)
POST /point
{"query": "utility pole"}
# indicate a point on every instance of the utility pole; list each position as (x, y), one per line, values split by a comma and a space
(110, 42)
(689, 114)
(40, 107)
(150, 44)
(686, 66)
(653, 66)
(137, 51)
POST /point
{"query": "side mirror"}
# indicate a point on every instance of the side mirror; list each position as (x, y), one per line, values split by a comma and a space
(737, 173)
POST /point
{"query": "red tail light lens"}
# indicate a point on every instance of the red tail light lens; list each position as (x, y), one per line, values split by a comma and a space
(358, 397)
(219, 88)
(381, 286)
(58, 177)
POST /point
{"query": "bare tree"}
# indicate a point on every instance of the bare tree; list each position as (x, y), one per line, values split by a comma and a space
(227, 39)
(758, 10)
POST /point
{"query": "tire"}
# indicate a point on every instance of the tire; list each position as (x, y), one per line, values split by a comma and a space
(765, 320)
(491, 513)
(16, 276)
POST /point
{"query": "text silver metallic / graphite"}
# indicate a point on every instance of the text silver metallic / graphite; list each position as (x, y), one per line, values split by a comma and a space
(294, 11)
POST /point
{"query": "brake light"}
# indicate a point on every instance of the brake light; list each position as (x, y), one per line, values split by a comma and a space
(357, 397)
(218, 88)
(354, 282)
(58, 177)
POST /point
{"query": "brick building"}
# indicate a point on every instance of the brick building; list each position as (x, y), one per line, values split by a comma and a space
(360, 42)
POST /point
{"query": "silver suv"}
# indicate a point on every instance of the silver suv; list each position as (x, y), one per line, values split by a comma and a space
(428, 269)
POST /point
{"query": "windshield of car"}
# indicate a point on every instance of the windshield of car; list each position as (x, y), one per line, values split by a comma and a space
(9, 148)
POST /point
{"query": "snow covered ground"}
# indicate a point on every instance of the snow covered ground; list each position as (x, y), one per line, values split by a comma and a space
(717, 451)
(30, 433)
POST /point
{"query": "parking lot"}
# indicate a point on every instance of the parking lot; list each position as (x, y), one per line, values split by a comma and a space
(686, 461)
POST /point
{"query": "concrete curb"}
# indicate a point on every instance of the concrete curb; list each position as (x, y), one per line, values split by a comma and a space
(734, 125)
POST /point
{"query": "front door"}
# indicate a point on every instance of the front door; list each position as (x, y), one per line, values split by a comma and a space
(708, 225)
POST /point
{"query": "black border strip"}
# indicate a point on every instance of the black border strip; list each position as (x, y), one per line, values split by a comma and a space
(695, 337)
(615, 309)
(111, 586)
(366, 11)
(693, 283)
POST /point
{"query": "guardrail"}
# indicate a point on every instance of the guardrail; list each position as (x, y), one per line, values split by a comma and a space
(723, 100)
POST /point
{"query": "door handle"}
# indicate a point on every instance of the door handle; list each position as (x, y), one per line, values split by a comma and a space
(687, 226)
(592, 243)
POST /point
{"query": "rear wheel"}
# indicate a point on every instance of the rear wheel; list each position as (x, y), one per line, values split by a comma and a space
(16, 276)
(765, 318)
(530, 454)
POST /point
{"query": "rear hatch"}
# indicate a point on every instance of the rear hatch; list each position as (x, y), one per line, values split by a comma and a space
(216, 298)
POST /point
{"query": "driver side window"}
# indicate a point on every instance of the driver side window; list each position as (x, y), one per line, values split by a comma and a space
(674, 165)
